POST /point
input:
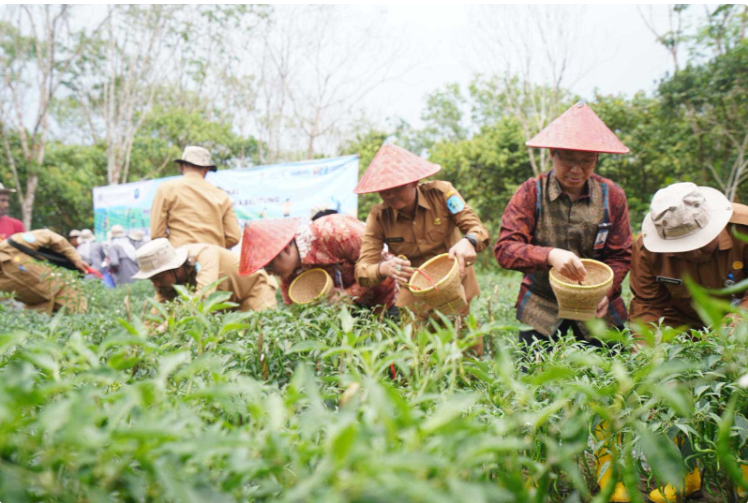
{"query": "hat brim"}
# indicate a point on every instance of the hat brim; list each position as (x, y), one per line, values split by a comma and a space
(7, 191)
(720, 211)
(400, 183)
(212, 167)
(179, 259)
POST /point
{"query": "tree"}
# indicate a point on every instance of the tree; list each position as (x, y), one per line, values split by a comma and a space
(713, 98)
(536, 54)
(37, 48)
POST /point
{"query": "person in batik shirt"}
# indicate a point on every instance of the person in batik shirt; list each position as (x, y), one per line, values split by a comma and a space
(333, 243)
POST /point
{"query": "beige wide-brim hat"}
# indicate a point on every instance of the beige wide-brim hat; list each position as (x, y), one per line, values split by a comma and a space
(118, 231)
(86, 235)
(3, 190)
(196, 156)
(158, 256)
(74, 233)
(684, 217)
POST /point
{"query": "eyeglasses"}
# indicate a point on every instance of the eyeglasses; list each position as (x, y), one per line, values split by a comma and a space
(584, 161)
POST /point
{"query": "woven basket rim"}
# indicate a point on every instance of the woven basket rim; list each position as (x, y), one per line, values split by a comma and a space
(328, 280)
(438, 283)
(572, 286)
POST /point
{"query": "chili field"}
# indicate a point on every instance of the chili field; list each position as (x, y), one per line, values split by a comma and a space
(329, 404)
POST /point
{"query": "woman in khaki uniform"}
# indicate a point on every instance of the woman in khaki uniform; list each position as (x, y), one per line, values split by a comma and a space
(416, 222)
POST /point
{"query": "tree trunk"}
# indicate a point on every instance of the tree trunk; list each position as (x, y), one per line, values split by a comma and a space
(27, 203)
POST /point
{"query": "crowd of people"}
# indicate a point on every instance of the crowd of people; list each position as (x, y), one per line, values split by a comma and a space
(553, 221)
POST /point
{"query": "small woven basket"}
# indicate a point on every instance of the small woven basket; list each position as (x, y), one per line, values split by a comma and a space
(437, 282)
(579, 302)
(309, 286)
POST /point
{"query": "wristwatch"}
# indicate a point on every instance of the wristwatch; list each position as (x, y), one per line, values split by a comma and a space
(472, 240)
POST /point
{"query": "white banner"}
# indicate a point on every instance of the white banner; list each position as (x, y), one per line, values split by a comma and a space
(273, 191)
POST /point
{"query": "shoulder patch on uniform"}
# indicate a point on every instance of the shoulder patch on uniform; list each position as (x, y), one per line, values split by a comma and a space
(451, 193)
(455, 204)
(28, 237)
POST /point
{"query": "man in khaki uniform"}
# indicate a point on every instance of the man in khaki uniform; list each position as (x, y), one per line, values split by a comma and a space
(199, 265)
(415, 221)
(687, 232)
(191, 209)
(34, 283)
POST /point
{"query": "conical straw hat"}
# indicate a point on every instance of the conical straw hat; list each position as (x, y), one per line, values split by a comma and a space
(393, 167)
(263, 241)
(579, 128)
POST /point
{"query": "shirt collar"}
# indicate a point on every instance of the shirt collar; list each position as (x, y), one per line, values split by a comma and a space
(421, 201)
(725, 241)
(555, 191)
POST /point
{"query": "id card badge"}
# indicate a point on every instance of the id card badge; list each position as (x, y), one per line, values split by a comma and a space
(602, 236)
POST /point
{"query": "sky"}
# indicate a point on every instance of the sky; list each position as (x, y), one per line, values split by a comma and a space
(625, 57)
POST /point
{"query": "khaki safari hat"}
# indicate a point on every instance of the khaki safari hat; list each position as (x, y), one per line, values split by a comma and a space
(137, 235)
(118, 231)
(74, 233)
(3, 190)
(158, 256)
(196, 156)
(684, 217)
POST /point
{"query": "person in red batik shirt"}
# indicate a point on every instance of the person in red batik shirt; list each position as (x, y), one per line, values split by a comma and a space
(332, 243)
(564, 215)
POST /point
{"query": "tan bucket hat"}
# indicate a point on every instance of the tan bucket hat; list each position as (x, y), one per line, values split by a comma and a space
(118, 231)
(196, 156)
(684, 217)
(86, 235)
(74, 233)
(3, 190)
(158, 256)
(137, 235)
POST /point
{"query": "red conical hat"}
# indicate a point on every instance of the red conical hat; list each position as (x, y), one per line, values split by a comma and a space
(263, 241)
(392, 167)
(579, 128)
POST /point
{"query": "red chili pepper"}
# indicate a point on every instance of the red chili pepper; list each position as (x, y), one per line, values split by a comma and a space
(96, 273)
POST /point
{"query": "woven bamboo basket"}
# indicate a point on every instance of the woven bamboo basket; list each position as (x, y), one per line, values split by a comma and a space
(579, 302)
(310, 286)
(437, 282)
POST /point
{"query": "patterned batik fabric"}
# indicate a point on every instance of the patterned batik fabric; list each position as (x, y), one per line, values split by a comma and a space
(333, 243)
(532, 226)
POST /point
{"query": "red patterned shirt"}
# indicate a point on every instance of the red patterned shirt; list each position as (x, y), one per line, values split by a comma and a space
(333, 243)
(517, 248)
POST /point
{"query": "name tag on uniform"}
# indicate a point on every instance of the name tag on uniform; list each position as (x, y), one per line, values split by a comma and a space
(602, 235)
(669, 281)
(394, 240)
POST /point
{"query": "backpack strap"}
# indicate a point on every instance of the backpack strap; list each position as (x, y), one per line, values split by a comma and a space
(45, 254)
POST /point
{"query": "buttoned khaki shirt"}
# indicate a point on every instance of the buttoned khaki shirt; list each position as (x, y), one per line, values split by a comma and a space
(35, 283)
(207, 263)
(657, 278)
(433, 230)
(190, 209)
